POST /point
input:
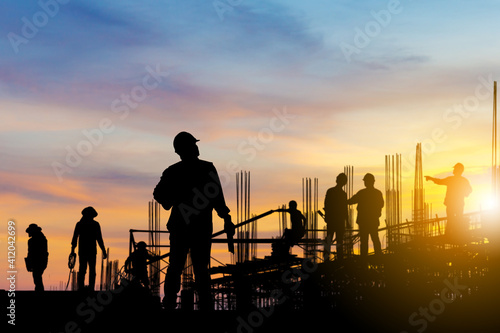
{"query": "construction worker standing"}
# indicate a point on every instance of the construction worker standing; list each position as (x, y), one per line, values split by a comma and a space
(87, 233)
(336, 216)
(457, 188)
(192, 189)
(370, 203)
(38, 257)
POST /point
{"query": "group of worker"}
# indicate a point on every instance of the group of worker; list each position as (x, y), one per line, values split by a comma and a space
(369, 207)
(86, 234)
(191, 189)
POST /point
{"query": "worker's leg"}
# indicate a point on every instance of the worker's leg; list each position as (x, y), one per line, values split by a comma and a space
(178, 253)
(375, 239)
(328, 243)
(82, 270)
(92, 273)
(450, 221)
(339, 243)
(363, 240)
(37, 279)
(200, 254)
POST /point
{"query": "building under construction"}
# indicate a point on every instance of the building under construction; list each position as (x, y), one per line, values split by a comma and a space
(426, 279)
(422, 272)
(421, 266)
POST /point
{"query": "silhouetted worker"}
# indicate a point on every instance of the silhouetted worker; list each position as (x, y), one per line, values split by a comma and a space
(336, 216)
(370, 203)
(87, 234)
(192, 189)
(298, 223)
(457, 188)
(37, 259)
(137, 263)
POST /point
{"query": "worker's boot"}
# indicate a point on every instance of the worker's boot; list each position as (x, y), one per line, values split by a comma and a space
(91, 281)
(80, 280)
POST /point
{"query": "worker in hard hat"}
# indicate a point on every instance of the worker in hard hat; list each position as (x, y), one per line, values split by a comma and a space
(457, 189)
(137, 263)
(336, 217)
(298, 224)
(192, 190)
(86, 235)
(37, 259)
(370, 203)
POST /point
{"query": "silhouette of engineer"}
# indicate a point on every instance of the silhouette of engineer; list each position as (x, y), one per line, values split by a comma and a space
(457, 188)
(298, 223)
(192, 189)
(137, 264)
(370, 203)
(336, 216)
(87, 233)
(37, 259)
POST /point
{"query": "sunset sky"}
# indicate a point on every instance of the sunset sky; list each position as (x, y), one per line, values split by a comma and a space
(93, 92)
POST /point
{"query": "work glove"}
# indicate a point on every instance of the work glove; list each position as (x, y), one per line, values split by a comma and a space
(229, 227)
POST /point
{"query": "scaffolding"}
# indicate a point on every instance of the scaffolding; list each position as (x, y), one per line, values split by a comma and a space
(244, 251)
(154, 239)
(348, 234)
(393, 191)
(310, 211)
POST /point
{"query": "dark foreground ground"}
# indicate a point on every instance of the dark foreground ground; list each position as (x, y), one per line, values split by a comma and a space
(129, 311)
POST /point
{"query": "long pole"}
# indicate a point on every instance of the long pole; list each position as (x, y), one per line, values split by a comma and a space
(494, 143)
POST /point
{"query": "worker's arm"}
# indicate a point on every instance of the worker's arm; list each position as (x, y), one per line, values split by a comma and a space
(100, 241)
(346, 213)
(381, 200)
(162, 190)
(437, 181)
(353, 200)
(74, 241)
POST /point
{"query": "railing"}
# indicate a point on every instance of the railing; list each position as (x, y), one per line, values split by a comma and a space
(397, 234)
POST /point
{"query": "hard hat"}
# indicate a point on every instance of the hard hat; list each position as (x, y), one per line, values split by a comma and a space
(184, 139)
(369, 177)
(33, 228)
(342, 177)
(89, 212)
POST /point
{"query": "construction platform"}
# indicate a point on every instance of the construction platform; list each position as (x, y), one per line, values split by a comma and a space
(420, 287)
